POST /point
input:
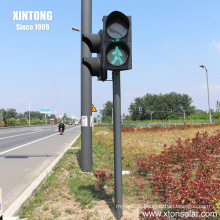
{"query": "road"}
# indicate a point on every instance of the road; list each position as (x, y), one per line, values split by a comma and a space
(24, 155)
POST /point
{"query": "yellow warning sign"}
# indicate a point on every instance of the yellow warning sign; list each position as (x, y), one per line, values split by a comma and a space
(93, 108)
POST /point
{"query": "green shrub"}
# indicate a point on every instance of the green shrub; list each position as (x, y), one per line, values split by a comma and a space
(22, 121)
(12, 122)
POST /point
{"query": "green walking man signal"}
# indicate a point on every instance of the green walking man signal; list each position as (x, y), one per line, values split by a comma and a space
(118, 55)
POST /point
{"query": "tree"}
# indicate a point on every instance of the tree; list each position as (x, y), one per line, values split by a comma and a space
(7, 114)
(34, 115)
(163, 107)
(4, 116)
(22, 121)
(199, 111)
(1, 114)
(20, 115)
(65, 117)
(53, 116)
(11, 113)
(107, 111)
(12, 121)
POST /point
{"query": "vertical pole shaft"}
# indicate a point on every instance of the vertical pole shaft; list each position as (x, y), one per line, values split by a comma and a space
(29, 113)
(1, 212)
(112, 115)
(86, 89)
(117, 143)
(210, 118)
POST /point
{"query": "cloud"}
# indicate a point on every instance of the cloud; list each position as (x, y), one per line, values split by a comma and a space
(216, 87)
(202, 87)
(4, 103)
(216, 45)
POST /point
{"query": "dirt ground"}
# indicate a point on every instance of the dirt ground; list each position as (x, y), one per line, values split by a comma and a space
(63, 206)
(100, 211)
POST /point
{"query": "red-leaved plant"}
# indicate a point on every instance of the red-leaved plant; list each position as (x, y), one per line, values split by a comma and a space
(187, 173)
(102, 177)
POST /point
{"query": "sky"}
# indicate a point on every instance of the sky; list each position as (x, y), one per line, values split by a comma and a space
(170, 40)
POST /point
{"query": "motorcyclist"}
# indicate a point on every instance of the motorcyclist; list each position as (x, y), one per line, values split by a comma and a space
(61, 125)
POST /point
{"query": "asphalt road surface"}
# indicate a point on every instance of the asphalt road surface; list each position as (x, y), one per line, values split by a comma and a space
(24, 155)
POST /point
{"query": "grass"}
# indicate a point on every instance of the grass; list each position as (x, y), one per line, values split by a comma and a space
(83, 188)
(70, 194)
(187, 120)
(70, 211)
(78, 185)
(49, 191)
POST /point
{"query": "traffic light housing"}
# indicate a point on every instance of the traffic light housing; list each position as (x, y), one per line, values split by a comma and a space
(117, 41)
(113, 46)
(94, 64)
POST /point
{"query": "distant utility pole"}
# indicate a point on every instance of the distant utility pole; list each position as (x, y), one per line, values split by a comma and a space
(1, 115)
(29, 113)
(210, 117)
(46, 115)
(218, 106)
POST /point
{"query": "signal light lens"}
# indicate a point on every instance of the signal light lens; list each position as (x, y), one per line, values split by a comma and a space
(117, 29)
(117, 54)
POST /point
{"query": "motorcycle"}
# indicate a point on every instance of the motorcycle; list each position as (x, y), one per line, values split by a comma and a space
(61, 131)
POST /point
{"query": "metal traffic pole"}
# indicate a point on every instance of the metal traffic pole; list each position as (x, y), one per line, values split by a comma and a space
(117, 143)
(1, 212)
(86, 89)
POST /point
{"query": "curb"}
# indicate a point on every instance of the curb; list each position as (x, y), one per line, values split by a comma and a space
(16, 206)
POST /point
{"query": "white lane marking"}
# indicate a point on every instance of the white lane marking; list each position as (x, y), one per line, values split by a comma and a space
(23, 134)
(31, 142)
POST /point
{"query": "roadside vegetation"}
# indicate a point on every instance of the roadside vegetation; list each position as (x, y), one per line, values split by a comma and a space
(162, 108)
(151, 108)
(168, 165)
(10, 117)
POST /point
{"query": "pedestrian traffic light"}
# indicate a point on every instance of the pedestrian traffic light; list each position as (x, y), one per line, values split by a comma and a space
(117, 48)
(94, 64)
(103, 75)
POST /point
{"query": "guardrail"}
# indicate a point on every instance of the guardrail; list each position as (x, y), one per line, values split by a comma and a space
(22, 128)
